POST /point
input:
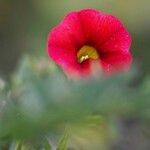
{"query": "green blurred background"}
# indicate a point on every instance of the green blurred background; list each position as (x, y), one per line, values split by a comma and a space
(24, 26)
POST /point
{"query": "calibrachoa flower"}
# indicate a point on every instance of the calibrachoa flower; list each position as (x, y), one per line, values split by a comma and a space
(90, 36)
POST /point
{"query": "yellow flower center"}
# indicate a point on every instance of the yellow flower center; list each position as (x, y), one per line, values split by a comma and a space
(87, 52)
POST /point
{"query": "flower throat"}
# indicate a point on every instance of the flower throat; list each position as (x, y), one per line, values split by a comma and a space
(87, 52)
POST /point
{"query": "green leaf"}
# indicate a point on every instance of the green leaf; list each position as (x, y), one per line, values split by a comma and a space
(18, 145)
(48, 146)
(63, 142)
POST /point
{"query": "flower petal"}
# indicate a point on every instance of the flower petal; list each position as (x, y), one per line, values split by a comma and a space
(116, 61)
(104, 31)
(91, 21)
(68, 61)
(64, 41)
(68, 34)
(120, 41)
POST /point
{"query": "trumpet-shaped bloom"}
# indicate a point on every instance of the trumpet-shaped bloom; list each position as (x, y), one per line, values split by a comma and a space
(89, 36)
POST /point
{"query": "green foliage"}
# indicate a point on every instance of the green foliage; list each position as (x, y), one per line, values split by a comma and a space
(40, 102)
(63, 142)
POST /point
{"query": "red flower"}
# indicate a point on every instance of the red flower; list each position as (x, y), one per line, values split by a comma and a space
(87, 36)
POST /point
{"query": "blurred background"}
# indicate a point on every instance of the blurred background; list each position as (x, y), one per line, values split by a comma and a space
(24, 27)
(25, 24)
